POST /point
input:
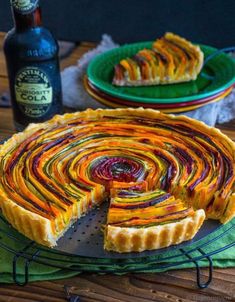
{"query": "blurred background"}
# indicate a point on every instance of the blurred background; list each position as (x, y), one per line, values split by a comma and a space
(210, 22)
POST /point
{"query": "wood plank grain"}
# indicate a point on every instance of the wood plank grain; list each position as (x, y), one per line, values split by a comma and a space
(3, 71)
(165, 287)
(4, 85)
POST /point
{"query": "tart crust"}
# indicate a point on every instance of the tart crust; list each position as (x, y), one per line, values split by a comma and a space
(35, 226)
(124, 240)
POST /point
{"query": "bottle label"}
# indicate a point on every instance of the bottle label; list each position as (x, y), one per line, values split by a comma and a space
(24, 6)
(33, 92)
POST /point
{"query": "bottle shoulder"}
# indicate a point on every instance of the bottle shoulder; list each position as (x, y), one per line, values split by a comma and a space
(35, 42)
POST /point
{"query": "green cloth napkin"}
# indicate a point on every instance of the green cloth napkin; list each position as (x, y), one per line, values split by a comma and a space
(39, 272)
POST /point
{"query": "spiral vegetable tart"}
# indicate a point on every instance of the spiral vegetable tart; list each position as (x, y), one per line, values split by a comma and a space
(163, 175)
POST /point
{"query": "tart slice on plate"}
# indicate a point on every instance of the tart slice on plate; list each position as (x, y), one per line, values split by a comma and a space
(172, 59)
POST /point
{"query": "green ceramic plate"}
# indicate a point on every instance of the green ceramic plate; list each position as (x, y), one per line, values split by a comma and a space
(217, 75)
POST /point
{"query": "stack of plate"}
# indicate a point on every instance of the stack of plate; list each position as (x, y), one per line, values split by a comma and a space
(215, 81)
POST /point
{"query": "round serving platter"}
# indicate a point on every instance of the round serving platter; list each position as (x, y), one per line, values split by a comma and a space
(111, 102)
(91, 88)
(217, 75)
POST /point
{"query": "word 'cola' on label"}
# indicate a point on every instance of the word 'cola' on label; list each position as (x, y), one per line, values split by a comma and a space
(33, 92)
(24, 6)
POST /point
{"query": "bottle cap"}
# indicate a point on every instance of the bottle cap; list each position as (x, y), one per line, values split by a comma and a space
(24, 6)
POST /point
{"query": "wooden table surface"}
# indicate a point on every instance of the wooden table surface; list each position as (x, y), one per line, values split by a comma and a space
(173, 286)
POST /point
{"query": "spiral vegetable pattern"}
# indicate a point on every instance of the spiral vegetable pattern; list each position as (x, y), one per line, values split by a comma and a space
(146, 209)
(141, 158)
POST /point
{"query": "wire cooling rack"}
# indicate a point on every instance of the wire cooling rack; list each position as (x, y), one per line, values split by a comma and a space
(28, 252)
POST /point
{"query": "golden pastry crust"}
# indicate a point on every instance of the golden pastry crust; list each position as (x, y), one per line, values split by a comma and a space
(34, 226)
(124, 240)
(185, 78)
(41, 230)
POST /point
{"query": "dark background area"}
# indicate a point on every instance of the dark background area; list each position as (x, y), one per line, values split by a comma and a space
(209, 22)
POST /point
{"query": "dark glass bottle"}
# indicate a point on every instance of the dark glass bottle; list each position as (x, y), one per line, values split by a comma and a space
(33, 66)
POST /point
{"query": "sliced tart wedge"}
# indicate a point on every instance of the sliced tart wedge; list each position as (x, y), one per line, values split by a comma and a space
(149, 220)
(172, 59)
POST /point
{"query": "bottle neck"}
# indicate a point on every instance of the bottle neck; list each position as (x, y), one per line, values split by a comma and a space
(24, 22)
